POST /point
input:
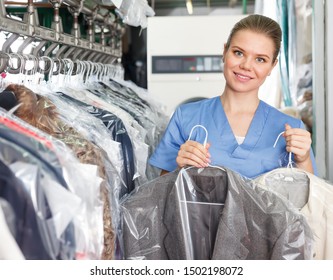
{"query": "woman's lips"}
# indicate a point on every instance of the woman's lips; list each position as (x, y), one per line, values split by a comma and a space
(243, 77)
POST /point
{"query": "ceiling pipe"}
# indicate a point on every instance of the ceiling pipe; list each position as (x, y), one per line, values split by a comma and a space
(85, 10)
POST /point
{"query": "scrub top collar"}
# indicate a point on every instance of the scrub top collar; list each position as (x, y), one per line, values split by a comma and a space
(253, 134)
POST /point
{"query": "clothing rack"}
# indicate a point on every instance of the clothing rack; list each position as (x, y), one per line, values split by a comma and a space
(53, 42)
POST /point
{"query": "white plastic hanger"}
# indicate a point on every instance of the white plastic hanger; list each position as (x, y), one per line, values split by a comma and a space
(204, 144)
(290, 162)
(200, 169)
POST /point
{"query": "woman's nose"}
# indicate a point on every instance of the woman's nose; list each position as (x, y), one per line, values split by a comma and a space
(246, 64)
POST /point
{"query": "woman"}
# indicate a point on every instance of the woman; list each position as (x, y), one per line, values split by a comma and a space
(240, 128)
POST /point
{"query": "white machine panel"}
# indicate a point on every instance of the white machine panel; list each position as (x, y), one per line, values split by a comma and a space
(184, 57)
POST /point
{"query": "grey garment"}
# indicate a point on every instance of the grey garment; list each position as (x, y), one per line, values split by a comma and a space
(253, 223)
(292, 184)
(200, 204)
(142, 216)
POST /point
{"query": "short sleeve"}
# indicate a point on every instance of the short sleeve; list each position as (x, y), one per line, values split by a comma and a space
(164, 156)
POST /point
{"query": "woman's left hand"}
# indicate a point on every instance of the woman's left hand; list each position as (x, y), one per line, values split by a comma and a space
(299, 143)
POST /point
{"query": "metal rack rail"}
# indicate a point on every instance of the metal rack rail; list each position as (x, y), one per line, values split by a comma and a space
(64, 45)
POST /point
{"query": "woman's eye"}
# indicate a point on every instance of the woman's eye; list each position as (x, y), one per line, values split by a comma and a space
(260, 59)
(238, 53)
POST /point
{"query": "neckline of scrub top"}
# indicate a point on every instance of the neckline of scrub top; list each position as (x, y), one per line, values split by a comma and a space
(252, 136)
(240, 139)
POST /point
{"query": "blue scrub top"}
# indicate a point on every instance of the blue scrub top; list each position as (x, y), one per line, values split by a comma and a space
(255, 156)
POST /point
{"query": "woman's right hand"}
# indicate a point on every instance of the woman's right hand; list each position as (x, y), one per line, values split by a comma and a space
(193, 153)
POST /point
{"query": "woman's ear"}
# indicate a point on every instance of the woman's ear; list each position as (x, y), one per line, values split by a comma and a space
(274, 64)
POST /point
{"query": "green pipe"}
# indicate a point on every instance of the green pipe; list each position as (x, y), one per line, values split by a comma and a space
(244, 7)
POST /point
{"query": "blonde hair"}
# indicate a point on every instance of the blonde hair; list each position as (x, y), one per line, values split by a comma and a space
(260, 24)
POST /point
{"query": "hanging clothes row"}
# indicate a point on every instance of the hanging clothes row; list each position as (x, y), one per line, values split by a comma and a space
(107, 125)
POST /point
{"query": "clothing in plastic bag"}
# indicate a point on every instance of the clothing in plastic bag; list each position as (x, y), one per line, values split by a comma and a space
(9, 250)
(40, 112)
(313, 197)
(16, 147)
(55, 173)
(211, 213)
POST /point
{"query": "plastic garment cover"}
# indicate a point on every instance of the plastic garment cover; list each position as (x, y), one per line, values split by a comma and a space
(48, 169)
(128, 100)
(305, 103)
(20, 216)
(110, 159)
(129, 115)
(40, 112)
(9, 250)
(157, 113)
(50, 198)
(313, 197)
(117, 132)
(158, 109)
(90, 224)
(125, 99)
(95, 131)
(12, 150)
(135, 131)
(211, 213)
(150, 116)
(135, 13)
(139, 114)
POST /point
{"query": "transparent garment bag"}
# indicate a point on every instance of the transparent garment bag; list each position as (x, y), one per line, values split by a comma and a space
(64, 233)
(211, 213)
(9, 250)
(137, 133)
(40, 112)
(312, 196)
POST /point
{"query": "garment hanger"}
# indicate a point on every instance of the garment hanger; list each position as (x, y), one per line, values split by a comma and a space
(16, 67)
(30, 69)
(67, 69)
(187, 177)
(290, 162)
(81, 71)
(4, 60)
(290, 182)
(204, 144)
(100, 71)
(6, 47)
(45, 68)
(194, 205)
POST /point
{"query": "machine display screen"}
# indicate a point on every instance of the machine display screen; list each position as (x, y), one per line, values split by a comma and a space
(187, 64)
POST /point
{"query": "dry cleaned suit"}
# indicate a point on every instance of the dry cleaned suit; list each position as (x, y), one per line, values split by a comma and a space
(313, 196)
(211, 213)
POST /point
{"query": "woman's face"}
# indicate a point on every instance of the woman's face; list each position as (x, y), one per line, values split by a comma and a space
(248, 61)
